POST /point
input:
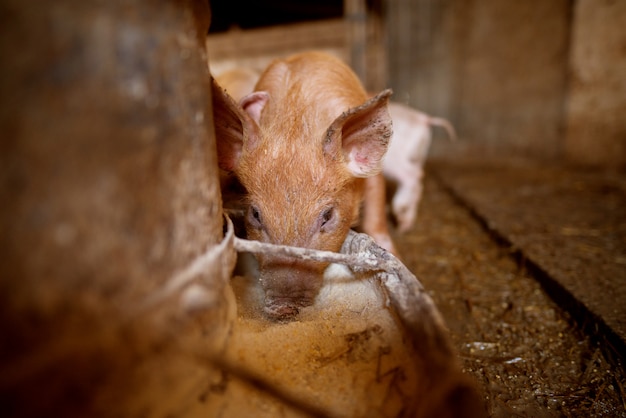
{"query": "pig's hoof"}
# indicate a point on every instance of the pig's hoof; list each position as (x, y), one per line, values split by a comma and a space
(281, 312)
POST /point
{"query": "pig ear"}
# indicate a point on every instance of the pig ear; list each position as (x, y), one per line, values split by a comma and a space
(254, 103)
(362, 134)
(234, 128)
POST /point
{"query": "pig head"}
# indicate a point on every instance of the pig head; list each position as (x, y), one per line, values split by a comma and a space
(302, 145)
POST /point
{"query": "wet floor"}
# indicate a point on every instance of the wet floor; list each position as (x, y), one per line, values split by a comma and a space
(527, 354)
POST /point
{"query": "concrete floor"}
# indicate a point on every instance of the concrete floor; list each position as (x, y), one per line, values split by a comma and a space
(492, 240)
(570, 225)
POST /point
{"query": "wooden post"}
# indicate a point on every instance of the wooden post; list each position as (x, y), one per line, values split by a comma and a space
(356, 17)
(109, 190)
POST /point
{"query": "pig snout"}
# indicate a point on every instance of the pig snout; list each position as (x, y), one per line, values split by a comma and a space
(288, 283)
(289, 286)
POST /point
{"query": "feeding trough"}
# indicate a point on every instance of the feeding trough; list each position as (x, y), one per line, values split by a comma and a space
(373, 344)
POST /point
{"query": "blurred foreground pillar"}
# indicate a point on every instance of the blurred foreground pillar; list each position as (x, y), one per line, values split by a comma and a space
(109, 187)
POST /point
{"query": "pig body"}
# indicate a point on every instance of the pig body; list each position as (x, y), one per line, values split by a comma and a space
(404, 163)
(303, 145)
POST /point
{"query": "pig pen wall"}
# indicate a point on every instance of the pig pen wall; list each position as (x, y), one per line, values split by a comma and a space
(540, 79)
(357, 37)
(535, 79)
(256, 48)
(109, 191)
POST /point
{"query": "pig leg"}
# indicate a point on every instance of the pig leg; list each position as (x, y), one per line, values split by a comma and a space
(406, 200)
(374, 215)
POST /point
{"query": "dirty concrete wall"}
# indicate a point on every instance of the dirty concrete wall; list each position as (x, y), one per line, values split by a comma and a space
(596, 106)
(109, 187)
(496, 68)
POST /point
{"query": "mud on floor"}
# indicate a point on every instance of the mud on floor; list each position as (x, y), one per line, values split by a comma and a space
(525, 352)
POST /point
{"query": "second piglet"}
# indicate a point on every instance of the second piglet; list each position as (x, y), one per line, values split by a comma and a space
(303, 145)
(405, 160)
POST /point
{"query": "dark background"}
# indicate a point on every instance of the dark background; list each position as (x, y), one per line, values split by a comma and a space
(248, 14)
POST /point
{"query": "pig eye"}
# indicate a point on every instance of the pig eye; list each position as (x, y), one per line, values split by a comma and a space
(326, 219)
(254, 217)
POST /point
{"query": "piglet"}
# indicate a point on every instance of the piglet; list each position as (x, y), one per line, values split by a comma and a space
(303, 145)
(404, 163)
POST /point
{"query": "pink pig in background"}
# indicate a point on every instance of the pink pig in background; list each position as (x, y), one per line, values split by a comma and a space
(306, 145)
(404, 162)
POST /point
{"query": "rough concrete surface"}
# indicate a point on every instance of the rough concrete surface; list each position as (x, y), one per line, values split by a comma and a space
(528, 353)
(569, 222)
